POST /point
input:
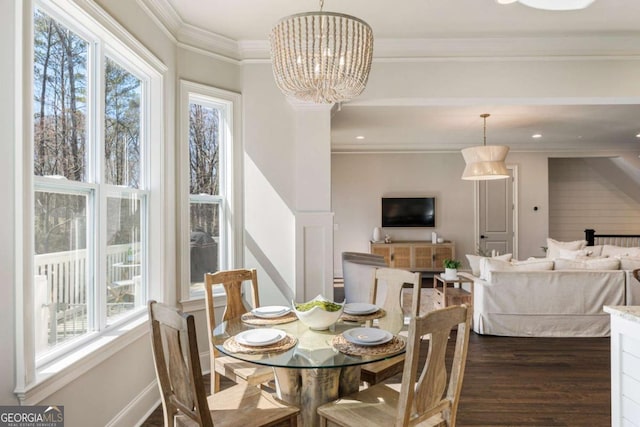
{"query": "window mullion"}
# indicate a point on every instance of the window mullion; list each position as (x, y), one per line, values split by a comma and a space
(99, 297)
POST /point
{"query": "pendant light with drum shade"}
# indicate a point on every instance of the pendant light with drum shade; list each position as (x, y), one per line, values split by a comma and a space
(485, 162)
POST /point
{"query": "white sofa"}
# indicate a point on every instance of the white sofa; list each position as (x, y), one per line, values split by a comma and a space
(548, 303)
(559, 296)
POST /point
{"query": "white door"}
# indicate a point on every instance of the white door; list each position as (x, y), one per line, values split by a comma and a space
(496, 212)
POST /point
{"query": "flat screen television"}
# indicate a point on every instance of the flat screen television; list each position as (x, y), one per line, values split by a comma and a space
(408, 212)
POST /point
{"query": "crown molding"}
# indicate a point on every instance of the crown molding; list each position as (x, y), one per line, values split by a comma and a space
(162, 11)
(553, 47)
(207, 40)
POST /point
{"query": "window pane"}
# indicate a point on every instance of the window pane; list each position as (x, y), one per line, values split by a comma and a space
(205, 240)
(61, 268)
(125, 289)
(59, 100)
(204, 143)
(122, 126)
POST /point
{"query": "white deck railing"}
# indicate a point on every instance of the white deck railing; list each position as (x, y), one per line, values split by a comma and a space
(63, 275)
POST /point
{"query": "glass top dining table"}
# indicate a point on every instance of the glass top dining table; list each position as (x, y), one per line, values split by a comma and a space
(314, 348)
(311, 372)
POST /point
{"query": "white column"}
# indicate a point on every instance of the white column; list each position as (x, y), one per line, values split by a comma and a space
(314, 218)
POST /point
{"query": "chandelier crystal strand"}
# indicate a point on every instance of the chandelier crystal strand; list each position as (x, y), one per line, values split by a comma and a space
(323, 57)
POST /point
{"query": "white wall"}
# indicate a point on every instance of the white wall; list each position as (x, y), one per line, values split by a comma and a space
(270, 187)
(583, 196)
(9, 269)
(360, 180)
(533, 191)
(509, 81)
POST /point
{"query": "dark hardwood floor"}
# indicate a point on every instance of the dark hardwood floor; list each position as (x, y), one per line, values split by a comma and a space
(536, 382)
(528, 382)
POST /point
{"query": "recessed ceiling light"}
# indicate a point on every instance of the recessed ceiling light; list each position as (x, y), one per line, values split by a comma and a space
(638, 135)
(536, 135)
(360, 137)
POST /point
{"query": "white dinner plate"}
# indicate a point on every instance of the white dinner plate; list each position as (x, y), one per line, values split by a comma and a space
(260, 337)
(367, 336)
(360, 308)
(270, 311)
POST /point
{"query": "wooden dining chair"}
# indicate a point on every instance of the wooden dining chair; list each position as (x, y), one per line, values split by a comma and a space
(184, 401)
(393, 321)
(424, 397)
(234, 369)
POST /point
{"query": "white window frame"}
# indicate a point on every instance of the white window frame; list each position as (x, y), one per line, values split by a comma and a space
(231, 212)
(35, 381)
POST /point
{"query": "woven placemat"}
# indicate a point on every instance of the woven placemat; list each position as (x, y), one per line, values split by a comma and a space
(252, 319)
(363, 317)
(235, 347)
(343, 346)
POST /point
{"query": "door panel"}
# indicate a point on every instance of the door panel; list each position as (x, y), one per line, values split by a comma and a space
(496, 207)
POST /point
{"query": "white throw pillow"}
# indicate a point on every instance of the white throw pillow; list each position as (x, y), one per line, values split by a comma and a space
(474, 262)
(553, 247)
(528, 265)
(618, 251)
(594, 250)
(570, 254)
(587, 264)
(629, 262)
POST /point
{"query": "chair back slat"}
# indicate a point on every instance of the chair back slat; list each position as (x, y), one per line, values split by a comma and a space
(232, 281)
(431, 393)
(177, 363)
(389, 282)
(177, 367)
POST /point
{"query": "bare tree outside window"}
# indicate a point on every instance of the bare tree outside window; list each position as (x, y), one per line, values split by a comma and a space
(122, 126)
(204, 187)
(60, 83)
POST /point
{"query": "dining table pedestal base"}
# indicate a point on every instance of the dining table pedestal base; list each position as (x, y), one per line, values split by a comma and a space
(313, 387)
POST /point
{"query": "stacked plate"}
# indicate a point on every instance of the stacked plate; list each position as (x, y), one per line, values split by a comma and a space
(360, 308)
(367, 336)
(260, 337)
(271, 311)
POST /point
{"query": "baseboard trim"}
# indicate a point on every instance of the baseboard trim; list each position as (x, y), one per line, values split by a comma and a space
(139, 409)
(147, 401)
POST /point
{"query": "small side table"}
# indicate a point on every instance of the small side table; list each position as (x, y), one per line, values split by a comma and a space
(446, 292)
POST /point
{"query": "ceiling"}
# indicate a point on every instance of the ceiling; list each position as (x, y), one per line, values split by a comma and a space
(239, 29)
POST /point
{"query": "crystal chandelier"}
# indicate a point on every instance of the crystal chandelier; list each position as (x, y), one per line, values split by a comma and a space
(323, 57)
(485, 162)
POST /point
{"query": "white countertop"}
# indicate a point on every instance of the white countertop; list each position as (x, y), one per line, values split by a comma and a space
(629, 312)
